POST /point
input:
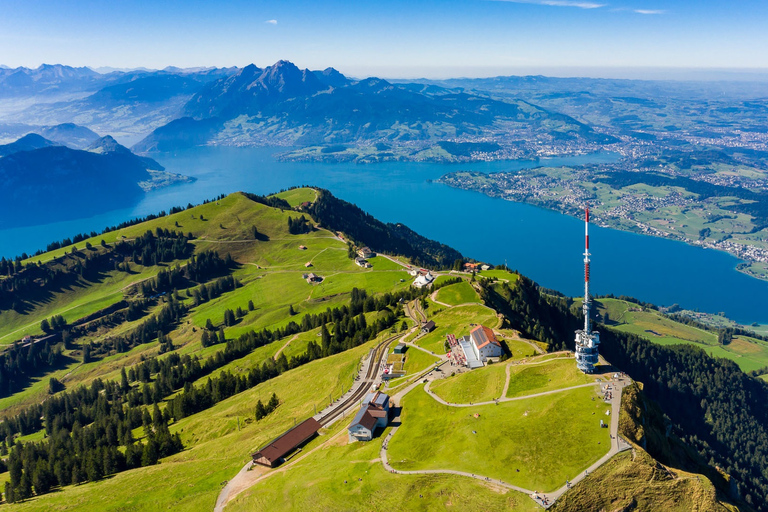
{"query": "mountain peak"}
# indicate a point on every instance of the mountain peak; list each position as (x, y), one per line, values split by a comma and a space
(28, 142)
(332, 78)
(107, 144)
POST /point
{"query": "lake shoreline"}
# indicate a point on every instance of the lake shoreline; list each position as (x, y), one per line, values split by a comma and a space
(541, 243)
(743, 265)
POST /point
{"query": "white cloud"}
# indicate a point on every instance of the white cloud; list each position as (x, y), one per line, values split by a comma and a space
(649, 11)
(559, 3)
(271, 22)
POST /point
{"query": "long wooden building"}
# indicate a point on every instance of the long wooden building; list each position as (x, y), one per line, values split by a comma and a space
(274, 452)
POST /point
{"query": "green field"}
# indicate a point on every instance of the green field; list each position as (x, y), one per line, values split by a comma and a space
(480, 385)
(456, 294)
(501, 275)
(509, 437)
(538, 377)
(456, 321)
(749, 353)
(297, 196)
(318, 483)
(191, 480)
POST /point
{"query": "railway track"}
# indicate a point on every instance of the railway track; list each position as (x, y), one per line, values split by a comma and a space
(364, 385)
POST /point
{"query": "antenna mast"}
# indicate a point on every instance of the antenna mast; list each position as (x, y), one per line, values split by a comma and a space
(587, 340)
(587, 303)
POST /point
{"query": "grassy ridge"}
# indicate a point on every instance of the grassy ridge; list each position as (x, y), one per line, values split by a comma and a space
(479, 385)
(545, 376)
(459, 293)
(509, 437)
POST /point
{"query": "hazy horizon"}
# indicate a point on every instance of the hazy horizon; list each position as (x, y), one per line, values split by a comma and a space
(446, 73)
(399, 39)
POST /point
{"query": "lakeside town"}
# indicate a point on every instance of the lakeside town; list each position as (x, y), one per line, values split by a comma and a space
(658, 211)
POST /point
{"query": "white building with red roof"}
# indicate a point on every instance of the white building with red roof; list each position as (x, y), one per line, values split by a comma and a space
(484, 343)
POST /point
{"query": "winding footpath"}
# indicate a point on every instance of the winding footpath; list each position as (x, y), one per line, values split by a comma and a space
(544, 500)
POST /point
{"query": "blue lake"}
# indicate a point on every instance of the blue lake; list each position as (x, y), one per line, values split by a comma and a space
(544, 245)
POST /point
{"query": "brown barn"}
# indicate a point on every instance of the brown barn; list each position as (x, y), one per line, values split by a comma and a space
(272, 454)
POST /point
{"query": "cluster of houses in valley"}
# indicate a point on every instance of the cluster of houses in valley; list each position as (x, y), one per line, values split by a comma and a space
(475, 350)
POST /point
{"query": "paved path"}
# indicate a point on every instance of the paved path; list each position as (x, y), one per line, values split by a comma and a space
(504, 398)
(544, 500)
(617, 444)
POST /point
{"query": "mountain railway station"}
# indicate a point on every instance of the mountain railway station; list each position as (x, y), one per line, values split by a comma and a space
(273, 454)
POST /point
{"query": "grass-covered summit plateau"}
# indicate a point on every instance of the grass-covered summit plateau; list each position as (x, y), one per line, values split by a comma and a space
(143, 366)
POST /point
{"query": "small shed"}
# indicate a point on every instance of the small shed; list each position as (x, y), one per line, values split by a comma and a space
(308, 264)
(312, 278)
(428, 327)
(302, 247)
(400, 348)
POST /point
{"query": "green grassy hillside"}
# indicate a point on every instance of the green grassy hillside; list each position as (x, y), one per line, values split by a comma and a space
(749, 353)
(504, 438)
(526, 441)
(456, 294)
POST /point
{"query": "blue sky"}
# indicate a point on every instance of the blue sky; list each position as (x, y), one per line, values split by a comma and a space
(393, 38)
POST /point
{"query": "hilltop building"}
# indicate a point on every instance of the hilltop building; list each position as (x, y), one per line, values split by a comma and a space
(587, 340)
(476, 349)
(312, 278)
(362, 262)
(372, 415)
(366, 253)
(423, 279)
(484, 343)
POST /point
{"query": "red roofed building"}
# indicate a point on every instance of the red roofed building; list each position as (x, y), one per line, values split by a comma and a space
(484, 343)
(273, 453)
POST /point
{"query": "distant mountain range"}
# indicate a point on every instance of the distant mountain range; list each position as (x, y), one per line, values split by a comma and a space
(276, 105)
(285, 105)
(127, 104)
(44, 181)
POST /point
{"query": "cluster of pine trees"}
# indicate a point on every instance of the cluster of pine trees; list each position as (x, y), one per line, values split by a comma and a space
(299, 226)
(271, 201)
(338, 215)
(8, 267)
(19, 363)
(263, 411)
(151, 248)
(56, 323)
(89, 436)
(210, 291)
(152, 328)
